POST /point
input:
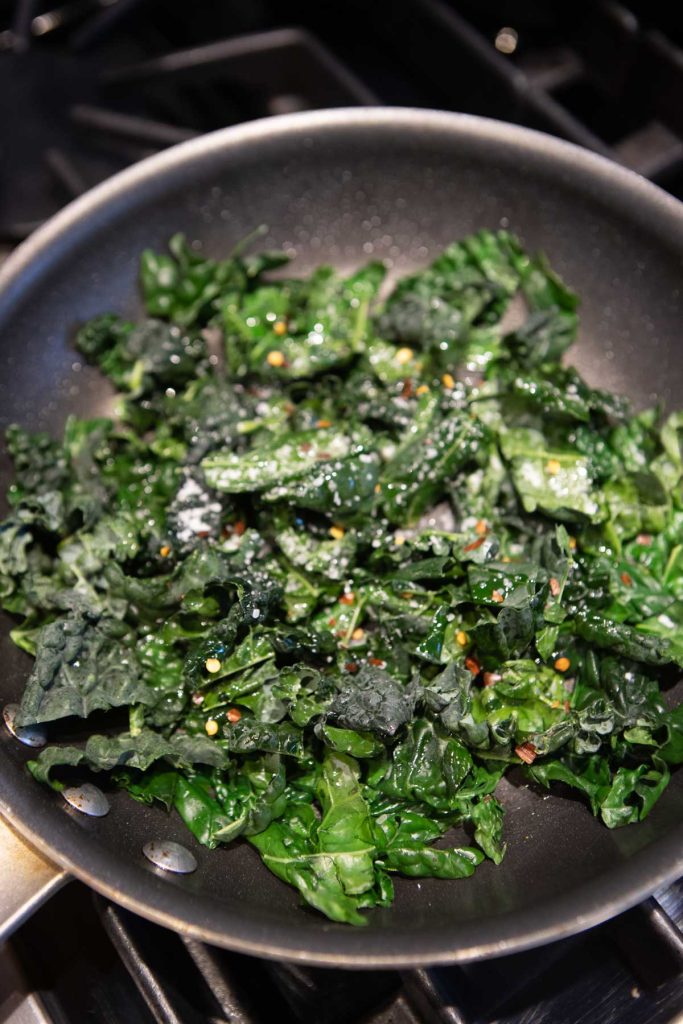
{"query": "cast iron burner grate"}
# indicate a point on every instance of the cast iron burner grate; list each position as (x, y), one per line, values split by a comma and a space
(90, 86)
(77, 114)
(110, 965)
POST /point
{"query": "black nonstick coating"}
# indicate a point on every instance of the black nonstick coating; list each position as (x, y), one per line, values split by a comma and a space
(344, 186)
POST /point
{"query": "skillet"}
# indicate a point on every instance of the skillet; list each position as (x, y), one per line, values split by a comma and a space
(343, 186)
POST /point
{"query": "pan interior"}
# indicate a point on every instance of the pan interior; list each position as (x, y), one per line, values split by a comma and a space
(344, 189)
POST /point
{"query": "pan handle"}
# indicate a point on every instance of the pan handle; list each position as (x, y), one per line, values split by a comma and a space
(26, 879)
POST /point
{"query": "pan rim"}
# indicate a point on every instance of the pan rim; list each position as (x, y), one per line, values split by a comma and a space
(343, 948)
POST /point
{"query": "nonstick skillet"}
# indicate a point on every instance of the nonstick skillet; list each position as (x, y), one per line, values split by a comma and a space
(340, 186)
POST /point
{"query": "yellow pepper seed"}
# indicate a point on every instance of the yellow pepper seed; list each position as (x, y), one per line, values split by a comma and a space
(552, 467)
(480, 528)
(462, 638)
(378, 488)
(280, 327)
(448, 381)
(275, 358)
(211, 727)
(358, 634)
(572, 543)
(337, 532)
(422, 390)
(212, 665)
(404, 355)
(165, 551)
(562, 664)
(324, 424)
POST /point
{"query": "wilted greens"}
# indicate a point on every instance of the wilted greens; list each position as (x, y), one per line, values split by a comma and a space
(341, 561)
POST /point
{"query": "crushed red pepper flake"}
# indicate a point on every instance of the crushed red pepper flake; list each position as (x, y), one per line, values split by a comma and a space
(377, 662)
(526, 752)
(234, 715)
(567, 706)
(473, 665)
(555, 587)
(348, 598)
(626, 579)
(407, 388)
(474, 545)
(239, 527)
(481, 528)
(491, 678)
(497, 597)
(331, 622)
(351, 666)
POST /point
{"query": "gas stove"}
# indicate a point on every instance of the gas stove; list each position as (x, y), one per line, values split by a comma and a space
(88, 87)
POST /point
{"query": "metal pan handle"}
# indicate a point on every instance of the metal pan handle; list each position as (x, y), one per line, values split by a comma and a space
(27, 879)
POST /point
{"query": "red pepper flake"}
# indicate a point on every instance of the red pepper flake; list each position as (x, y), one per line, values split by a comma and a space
(348, 598)
(407, 594)
(497, 597)
(324, 424)
(331, 622)
(306, 446)
(555, 587)
(407, 389)
(626, 579)
(645, 539)
(473, 665)
(567, 706)
(377, 662)
(234, 715)
(239, 527)
(480, 528)
(526, 752)
(474, 545)
(203, 534)
(351, 666)
(491, 678)
(562, 664)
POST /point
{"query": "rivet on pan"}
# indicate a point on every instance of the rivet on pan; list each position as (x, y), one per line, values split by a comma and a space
(30, 735)
(170, 856)
(87, 799)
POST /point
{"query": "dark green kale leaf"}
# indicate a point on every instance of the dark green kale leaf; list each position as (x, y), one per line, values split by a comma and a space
(82, 665)
(372, 701)
(184, 286)
(624, 639)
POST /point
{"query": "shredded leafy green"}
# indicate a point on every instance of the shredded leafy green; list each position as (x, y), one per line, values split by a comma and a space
(322, 590)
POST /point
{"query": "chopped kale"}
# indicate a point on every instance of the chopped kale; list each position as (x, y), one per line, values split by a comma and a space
(321, 590)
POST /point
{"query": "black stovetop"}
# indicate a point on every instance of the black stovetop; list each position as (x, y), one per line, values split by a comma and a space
(90, 86)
